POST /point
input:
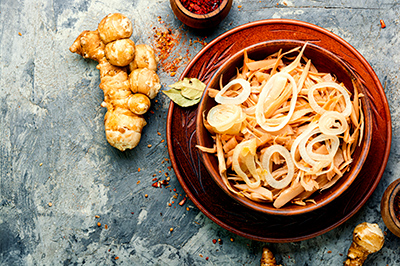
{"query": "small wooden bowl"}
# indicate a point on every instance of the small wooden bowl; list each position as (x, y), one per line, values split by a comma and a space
(387, 208)
(325, 61)
(205, 21)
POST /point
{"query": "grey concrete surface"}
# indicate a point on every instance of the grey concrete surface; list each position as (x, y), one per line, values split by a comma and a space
(53, 148)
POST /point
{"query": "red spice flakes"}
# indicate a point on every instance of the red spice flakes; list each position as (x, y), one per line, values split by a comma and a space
(139, 169)
(19, 33)
(132, 213)
(160, 183)
(206, 258)
(96, 216)
(106, 226)
(201, 7)
(187, 208)
(154, 179)
(145, 195)
(220, 241)
(149, 146)
(98, 224)
(138, 182)
(383, 25)
(116, 258)
(158, 133)
(182, 202)
(232, 239)
(239, 6)
(201, 255)
(169, 204)
(174, 189)
(329, 251)
(214, 241)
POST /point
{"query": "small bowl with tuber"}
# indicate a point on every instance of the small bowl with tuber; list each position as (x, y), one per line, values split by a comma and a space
(202, 14)
(284, 127)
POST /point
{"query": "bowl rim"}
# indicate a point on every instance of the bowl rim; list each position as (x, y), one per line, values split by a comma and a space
(393, 194)
(218, 10)
(367, 139)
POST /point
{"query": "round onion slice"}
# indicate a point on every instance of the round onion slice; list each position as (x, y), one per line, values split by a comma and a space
(237, 99)
(261, 120)
(246, 151)
(332, 148)
(224, 116)
(296, 143)
(314, 105)
(266, 163)
(328, 124)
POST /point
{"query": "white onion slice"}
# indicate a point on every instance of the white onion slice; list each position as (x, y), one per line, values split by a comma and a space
(314, 105)
(261, 120)
(296, 143)
(247, 151)
(237, 99)
(223, 116)
(328, 124)
(266, 163)
(332, 148)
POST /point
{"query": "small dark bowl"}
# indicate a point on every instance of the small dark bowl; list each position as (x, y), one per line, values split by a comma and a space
(205, 21)
(387, 207)
(324, 61)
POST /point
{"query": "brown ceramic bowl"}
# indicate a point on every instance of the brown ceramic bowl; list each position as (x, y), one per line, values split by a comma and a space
(197, 21)
(388, 210)
(325, 61)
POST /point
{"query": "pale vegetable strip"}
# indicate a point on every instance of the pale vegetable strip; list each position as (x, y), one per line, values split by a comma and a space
(296, 133)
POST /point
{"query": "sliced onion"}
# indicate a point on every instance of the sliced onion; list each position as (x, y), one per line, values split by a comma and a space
(266, 163)
(222, 117)
(314, 105)
(261, 120)
(296, 143)
(237, 99)
(328, 124)
(332, 148)
(246, 151)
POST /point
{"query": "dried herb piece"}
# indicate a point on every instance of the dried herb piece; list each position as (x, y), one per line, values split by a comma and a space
(186, 92)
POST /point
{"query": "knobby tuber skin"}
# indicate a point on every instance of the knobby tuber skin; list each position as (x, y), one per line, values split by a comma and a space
(367, 239)
(146, 81)
(144, 58)
(268, 258)
(110, 47)
(114, 27)
(120, 52)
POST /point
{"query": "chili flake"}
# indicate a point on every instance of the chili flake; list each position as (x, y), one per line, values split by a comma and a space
(201, 7)
(383, 25)
(96, 216)
(214, 241)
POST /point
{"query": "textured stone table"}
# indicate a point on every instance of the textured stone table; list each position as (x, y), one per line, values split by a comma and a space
(58, 172)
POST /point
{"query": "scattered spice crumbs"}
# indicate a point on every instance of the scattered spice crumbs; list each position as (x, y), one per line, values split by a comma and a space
(171, 229)
(98, 224)
(138, 182)
(206, 258)
(106, 226)
(19, 33)
(232, 239)
(145, 195)
(40, 164)
(96, 216)
(214, 241)
(138, 169)
(50, 204)
(149, 146)
(329, 251)
(116, 258)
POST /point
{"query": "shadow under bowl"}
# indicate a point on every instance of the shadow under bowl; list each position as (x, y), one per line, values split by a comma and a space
(325, 61)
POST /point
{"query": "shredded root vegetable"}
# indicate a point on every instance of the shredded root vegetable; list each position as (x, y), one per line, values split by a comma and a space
(283, 130)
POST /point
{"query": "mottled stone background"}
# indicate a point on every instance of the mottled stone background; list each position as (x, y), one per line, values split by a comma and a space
(53, 148)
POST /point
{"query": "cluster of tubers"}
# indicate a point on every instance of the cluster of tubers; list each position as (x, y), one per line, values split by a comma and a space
(367, 239)
(128, 77)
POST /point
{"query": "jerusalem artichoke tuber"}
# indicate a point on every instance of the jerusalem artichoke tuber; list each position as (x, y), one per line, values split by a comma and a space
(268, 258)
(367, 238)
(110, 47)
